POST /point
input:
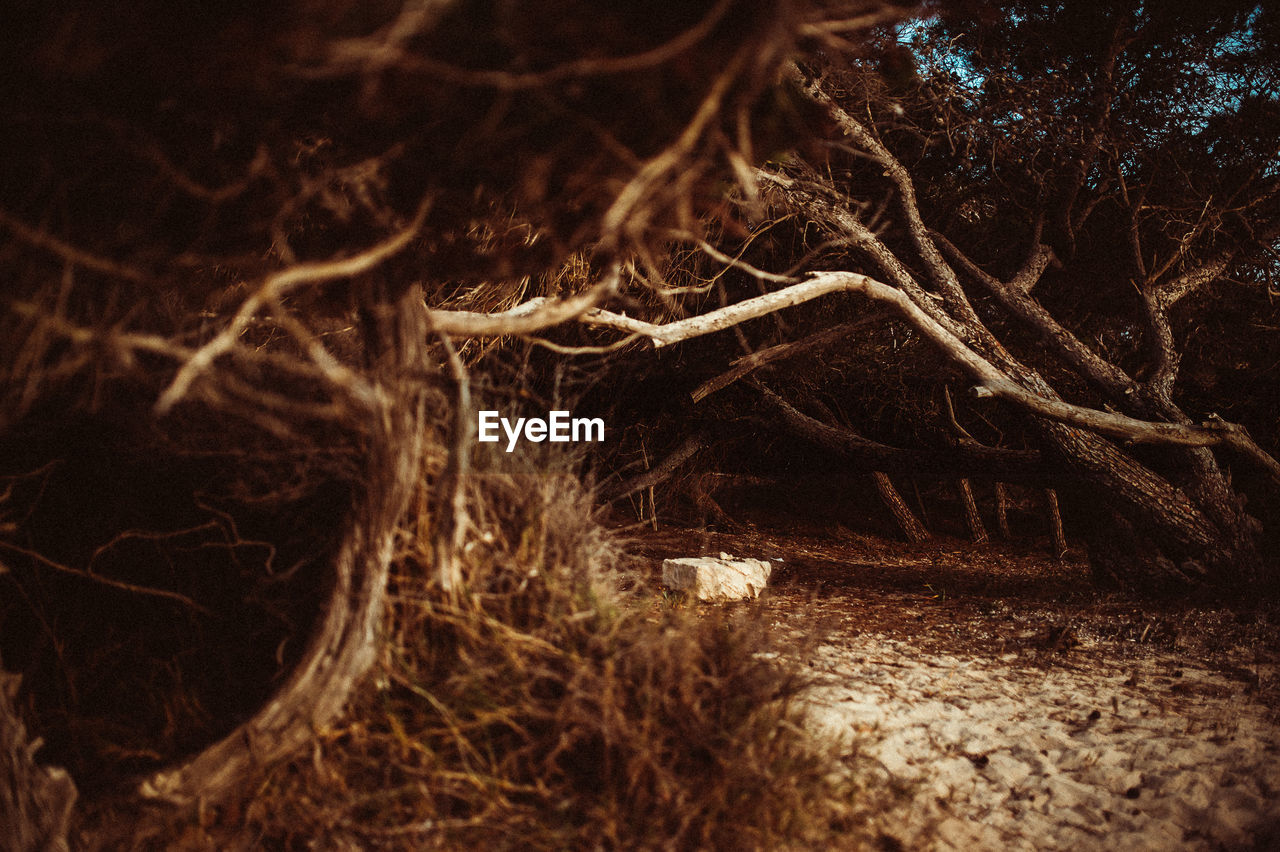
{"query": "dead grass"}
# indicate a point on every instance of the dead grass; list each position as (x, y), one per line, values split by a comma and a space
(545, 711)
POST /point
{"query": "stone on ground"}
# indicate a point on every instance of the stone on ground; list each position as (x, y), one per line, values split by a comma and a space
(710, 579)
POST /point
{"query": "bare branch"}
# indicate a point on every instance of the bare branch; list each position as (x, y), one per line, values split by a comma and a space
(1159, 298)
(1019, 302)
(991, 381)
(42, 239)
(124, 346)
(356, 55)
(655, 171)
(901, 178)
(530, 317)
(663, 471)
(1166, 294)
(1077, 169)
(886, 15)
(451, 528)
(811, 201)
(747, 363)
(1024, 466)
(132, 588)
(271, 290)
(722, 318)
(738, 263)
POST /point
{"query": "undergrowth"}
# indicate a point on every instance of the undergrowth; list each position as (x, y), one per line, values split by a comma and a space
(545, 710)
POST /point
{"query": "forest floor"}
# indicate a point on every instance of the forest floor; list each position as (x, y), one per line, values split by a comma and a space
(1010, 705)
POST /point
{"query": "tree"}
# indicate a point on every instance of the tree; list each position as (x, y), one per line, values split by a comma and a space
(266, 249)
(1057, 174)
(237, 245)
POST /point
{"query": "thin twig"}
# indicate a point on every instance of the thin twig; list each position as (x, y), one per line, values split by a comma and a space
(356, 55)
(105, 581)
(271, 290)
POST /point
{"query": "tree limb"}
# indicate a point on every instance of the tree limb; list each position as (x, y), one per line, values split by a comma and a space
(721, 318)
(663, 471)
(943, 274)
(747, 363)
(1027, 309)
(808, 199)
(270, 291)
(532, 316)
(991, 382)
(1022, 466)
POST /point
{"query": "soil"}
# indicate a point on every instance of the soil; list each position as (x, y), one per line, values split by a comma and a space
(1014, 704)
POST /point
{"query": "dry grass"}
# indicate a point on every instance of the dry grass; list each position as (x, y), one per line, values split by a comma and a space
(545, 711)
(252, 267)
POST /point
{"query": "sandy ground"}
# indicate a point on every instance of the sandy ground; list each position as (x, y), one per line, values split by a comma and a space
(1008, 705)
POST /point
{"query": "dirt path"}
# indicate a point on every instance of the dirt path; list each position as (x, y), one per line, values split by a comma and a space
(1016, 708)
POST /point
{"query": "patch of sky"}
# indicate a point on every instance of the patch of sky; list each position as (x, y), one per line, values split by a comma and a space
(1217, 83)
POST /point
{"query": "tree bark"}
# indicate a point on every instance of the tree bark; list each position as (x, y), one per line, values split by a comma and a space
(1196, 525)
(663, 471)
(1196, 470)
(972, 518)
(902, 514)
(1020, 466)
(1002, 510)
(1057, 534)
(1186, 510)
(344, 645)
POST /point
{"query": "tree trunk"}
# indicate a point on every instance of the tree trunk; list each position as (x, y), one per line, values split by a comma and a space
(905, 518)
(972, 519)
(1174, 541)
(1002, 510)
(1057, 535)
(1188, 521)
(345, 642)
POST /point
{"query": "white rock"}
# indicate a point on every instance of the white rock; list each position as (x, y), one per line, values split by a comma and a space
(709, 579)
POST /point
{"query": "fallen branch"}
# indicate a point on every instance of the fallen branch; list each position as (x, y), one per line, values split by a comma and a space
(993, 383)
(532, 316)
(1022, 466)
(687, 450)
(747, 363)
(990, 381)
(41, 239)
(722, 318)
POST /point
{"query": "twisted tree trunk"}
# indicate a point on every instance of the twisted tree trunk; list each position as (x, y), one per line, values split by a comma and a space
(344, 645)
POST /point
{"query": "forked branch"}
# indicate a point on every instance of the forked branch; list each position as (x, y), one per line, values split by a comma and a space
(990, 381)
